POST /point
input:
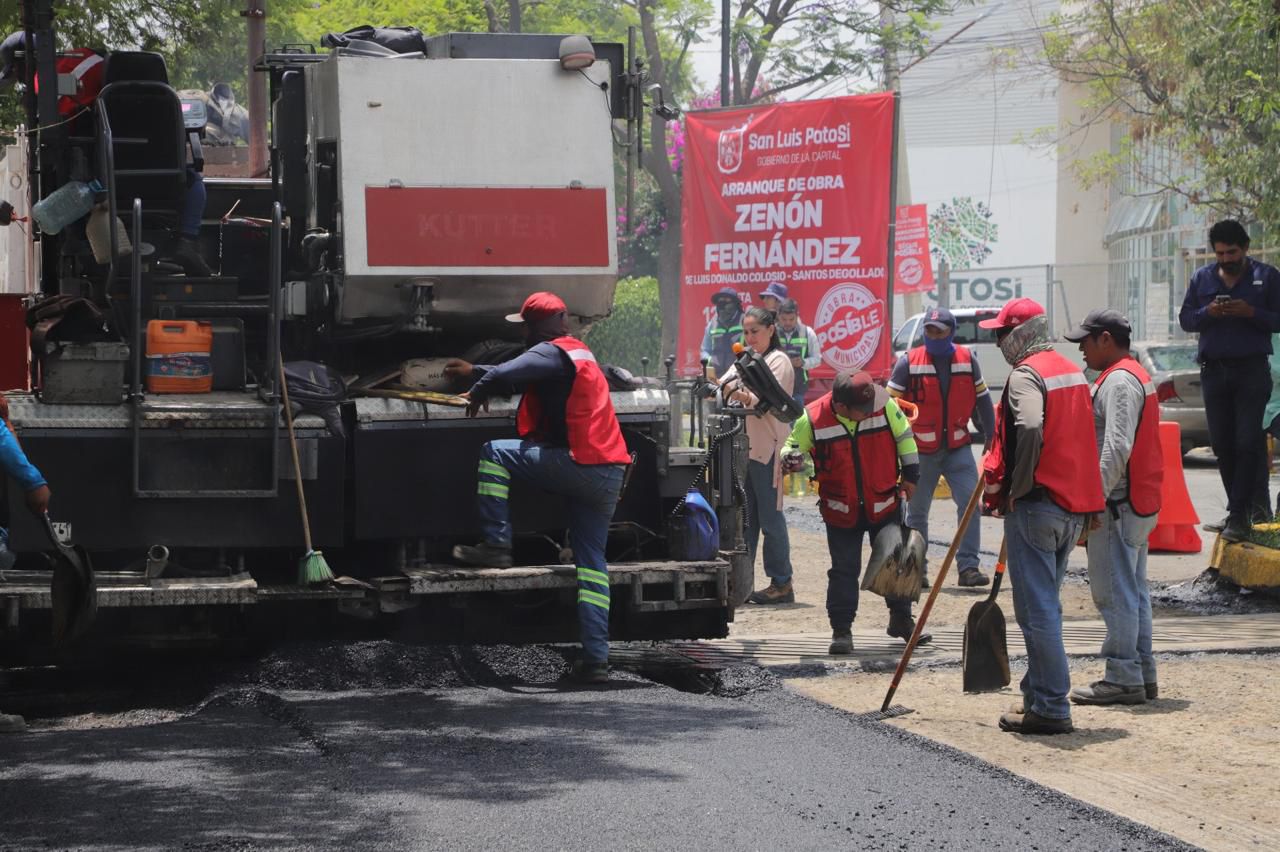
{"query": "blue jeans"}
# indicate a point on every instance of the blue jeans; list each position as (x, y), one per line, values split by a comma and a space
(961, 473)
(1040, 536)
(590, 491)
(763, 515)
(845, 545)
(1118, 582)
(193, 200)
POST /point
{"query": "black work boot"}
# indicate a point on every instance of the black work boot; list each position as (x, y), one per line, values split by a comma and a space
(186, 253)
(483, 555)
(1237, 529)
(841, 642)
(587, 671)
(902, 625)
(1215, 526)
(973, 577)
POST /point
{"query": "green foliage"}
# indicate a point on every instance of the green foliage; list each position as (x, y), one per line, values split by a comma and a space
(633, 330)
(1196, 84)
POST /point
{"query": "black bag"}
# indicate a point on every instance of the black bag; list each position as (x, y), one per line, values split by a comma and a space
(316, 389)
(399, 39)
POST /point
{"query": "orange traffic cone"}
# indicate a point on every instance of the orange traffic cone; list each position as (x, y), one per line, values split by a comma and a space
(1176, 526)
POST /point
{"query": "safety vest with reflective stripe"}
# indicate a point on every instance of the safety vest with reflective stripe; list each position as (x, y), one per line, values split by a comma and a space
(796, 345)
(943, 422)
(591, 425)
(857, 471)
(722, 340)
(86, 68)
(1063, 472)
(1145, 470)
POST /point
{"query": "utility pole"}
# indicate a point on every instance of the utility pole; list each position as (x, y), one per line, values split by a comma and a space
(255, 15)
(726, 25)
(912, 303)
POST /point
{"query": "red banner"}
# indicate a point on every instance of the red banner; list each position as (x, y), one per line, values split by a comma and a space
(912, 269)
(795, 193)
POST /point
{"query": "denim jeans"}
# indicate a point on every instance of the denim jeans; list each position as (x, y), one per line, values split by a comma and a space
(1235, 396)
(763, 515)
(845, 545)
(590, 492)
(1118, 581)
(1040, 536)
(961, 473)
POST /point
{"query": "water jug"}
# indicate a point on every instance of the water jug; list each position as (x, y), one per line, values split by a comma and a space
(68, 203)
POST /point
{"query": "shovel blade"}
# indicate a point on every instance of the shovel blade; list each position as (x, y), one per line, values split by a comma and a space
(985, 660)
(75, 595)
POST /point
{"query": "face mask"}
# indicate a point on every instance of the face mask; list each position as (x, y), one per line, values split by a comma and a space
(1025, 340)
(940, 347)
(726, 313)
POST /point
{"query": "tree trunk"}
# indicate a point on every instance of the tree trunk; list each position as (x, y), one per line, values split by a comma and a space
(658, 165)
(515, 23)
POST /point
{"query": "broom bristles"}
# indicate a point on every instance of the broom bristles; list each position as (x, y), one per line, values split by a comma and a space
(313, 569)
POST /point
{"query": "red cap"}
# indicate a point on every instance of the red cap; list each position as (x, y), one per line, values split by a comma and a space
(1014, 313)
(539, 306)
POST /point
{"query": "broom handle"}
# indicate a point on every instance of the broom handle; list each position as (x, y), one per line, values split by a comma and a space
(933, 593)
(293, 449)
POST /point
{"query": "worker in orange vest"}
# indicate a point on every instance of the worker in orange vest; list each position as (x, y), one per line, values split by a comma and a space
(943, 380)
(1038, 477)
(1126, 419)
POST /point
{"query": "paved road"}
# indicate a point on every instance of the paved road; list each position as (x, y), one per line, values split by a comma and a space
(388, 746)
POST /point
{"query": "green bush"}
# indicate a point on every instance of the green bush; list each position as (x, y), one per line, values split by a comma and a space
(633, 330)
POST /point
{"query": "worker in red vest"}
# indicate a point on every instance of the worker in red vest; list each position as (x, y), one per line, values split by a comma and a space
(1038, 477)
(943, 380)
(863, 453)
(83, 66)
(570, 444)
(1126, 420)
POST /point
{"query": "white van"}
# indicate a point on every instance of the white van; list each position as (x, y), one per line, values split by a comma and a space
(981, 341)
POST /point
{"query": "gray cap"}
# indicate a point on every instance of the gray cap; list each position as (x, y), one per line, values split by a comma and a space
(1101, 320)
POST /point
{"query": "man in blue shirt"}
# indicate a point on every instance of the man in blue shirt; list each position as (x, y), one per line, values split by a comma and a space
(14, 463)
(1234, 305)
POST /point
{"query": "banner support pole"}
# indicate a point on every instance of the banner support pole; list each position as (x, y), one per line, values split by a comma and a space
(887, 339)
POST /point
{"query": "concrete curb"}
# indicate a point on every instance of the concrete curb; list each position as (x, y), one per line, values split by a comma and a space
(1249, 565)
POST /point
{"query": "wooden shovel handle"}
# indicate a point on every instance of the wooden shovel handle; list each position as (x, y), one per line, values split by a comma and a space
(933, 594)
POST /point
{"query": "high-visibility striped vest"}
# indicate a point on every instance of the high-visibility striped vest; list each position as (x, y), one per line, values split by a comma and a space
(591, 425)
(857, 471)
(722, 340)
(796, 345)
(943, 422)
(1063, 472)
(1145, 470)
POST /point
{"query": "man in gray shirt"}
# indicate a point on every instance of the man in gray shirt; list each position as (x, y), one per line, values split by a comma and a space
(1126, 420)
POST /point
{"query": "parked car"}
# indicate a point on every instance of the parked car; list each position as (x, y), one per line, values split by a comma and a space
(981, 341)
(1176, 375)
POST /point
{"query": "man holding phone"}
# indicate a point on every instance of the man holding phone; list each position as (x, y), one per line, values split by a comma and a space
(1234, 305)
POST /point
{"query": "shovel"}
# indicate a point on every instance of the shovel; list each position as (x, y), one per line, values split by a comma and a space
(986, 655)
(74, 591)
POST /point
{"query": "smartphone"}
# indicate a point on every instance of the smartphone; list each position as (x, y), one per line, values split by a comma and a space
(1222, 299)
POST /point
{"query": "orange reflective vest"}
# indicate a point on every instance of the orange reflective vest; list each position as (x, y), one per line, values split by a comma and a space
(943, 422)
(86, 68)
(1064, 470)
(857, 472)
(591, 425)
(1145, 470)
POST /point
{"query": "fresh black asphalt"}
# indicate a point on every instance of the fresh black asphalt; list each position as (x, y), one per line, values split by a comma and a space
(384, 746)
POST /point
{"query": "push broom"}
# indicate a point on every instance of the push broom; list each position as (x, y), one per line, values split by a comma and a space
(887, 709)
(312, 568)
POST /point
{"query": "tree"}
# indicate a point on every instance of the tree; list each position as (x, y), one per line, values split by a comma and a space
(793, 44)
(1197, 85)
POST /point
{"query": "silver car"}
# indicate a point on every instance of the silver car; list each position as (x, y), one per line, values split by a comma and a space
(1176, 375)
